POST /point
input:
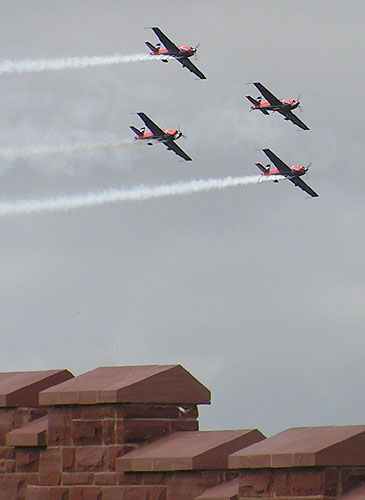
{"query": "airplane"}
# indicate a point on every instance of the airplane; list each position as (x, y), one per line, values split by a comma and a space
(282, 106)
(293, 174)
(181, 54)
(156, 134)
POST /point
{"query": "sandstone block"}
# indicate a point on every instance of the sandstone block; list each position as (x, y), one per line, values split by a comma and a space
(129, 478)
(58, 493)
(7, 466)
(147, 411)
(7, 452)
(157, 493)
(97, 412)
(350, 478)
(77, 478)
(256, 484)
(155, 478)
(49, 478)
(87, 432)
(130, 430)
(68, 459)
(115, 493)
(86, 493)
(184, 425)
(27, 460)
(308, 482)
(109, 432)
(6, 423)
(12, 486)
(38, 493)
(91, 458)
(59, 426)
(138, 492)
(106, 478)
(50, 460)
(114, 453)
(282, 482)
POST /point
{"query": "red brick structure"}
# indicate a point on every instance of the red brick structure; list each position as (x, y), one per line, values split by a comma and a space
(131, 433)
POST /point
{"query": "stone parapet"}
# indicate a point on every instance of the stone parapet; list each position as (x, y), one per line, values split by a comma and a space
(132, 433)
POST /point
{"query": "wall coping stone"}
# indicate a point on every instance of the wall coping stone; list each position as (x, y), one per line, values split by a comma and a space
(164, 384)
(305, 447)
(188, 450)
(33, 434)
(22, 388)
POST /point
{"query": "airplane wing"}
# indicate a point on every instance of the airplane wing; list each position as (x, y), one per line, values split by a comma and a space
(155, 129)
(191, 67)
(293, 118)
(273, 100)
(177, 150)
(300, 183)
(166, 41)
(279, 164)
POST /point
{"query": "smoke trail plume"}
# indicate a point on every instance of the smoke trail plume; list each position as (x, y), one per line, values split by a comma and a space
(31, 65)
(13, 153)
(138, 193)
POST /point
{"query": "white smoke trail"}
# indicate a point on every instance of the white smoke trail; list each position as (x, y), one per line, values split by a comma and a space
(138, 193)
(14, 153)
(31, 65)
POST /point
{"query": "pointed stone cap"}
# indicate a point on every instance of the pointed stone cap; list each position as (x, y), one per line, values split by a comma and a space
(188, 450)
(22, 388)
(305, 446)
(33, 434)
(227, 490)
(163, 384)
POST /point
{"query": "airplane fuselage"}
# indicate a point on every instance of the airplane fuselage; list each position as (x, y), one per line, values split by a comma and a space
(286, 105)
(184, 51)
(296, 171)
(169, 135)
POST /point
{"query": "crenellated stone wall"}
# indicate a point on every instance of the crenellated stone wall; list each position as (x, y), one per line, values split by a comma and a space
(132, 433)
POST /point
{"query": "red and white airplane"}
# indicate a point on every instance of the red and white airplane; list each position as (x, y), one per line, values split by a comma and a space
(156, 134)
(282, 106)
(293, 173)
(181, 54)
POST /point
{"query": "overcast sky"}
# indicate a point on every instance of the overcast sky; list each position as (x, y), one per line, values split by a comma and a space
(258, 291)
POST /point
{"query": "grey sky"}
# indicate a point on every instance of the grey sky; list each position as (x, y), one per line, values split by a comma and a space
(258, 291)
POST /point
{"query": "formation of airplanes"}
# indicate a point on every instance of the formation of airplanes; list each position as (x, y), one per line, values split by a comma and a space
(285, 107)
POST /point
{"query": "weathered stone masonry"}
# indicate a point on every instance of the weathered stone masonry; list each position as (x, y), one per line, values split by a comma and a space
(132, 433)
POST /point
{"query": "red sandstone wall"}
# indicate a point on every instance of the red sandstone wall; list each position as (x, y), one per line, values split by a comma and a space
(13, 418)
(309, 483)
(83, 444)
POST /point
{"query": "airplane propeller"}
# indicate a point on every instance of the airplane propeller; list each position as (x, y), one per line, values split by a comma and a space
(299, 106)
(180, 134)
(307, 169)
(194, 49)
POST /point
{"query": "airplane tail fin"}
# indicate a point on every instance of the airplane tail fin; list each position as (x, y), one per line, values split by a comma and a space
(136, 130)
(264, 170)
(255, 102)
(152, 47)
